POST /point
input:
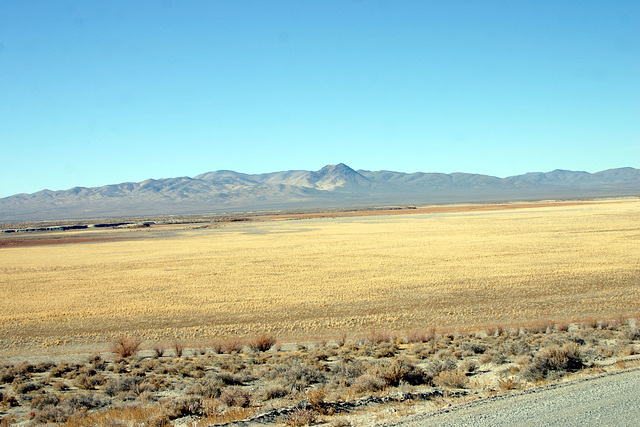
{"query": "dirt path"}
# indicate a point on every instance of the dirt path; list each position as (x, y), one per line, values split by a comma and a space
(609, 400)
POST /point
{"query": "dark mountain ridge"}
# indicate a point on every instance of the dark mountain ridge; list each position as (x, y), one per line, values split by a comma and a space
(333, 186)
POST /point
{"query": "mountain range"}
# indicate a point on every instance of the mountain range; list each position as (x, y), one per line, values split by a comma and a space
(334, 186)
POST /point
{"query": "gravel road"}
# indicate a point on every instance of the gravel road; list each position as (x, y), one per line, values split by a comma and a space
(610, 400)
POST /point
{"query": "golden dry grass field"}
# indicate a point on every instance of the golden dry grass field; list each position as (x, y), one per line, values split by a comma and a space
(325, 276)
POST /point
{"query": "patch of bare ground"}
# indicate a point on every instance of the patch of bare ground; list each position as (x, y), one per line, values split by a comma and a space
(349, 381)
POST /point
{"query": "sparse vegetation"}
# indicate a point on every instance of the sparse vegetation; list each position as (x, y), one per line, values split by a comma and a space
(310, 382)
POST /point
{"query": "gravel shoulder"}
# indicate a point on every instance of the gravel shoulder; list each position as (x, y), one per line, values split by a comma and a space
(611, 400)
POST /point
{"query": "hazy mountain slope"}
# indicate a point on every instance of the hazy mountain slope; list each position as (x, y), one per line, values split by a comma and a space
(333, 186)
(564, 177)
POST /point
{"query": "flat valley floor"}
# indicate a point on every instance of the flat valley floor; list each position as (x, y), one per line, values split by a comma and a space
(308, 276)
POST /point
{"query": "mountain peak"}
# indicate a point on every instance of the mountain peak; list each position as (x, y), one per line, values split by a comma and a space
(339, 168)
(340, 176)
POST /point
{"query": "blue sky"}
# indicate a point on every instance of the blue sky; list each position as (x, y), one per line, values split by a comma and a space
(101, 92)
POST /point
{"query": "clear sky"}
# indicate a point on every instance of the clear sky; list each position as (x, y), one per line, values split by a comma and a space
(102, 92)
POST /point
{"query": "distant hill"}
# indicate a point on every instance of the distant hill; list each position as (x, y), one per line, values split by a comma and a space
(334, 186)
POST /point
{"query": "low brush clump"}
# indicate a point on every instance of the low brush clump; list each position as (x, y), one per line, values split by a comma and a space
(231, 381)
(554, 362)
(126, 346)
(262, 342)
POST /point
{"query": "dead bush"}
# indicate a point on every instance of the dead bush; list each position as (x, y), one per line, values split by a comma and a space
(296, 375)
(341, 340)
(484, 359)
(178, 348)
(316, 398)
(235, 396)
(11, 373)
(400, 370)
(210, 387)
(452, 379)
(59, 386)
(182, 406)
(386, 349)
(474, 347)
(377, 337)
(274, 391)
(47, 399)
(323, 353)
(300, 417)
(217, 346)
(554, 361)
(216, 416)
(469, 366)
(158, 350)
(229, 378)
(421, 335)
(126, 346)
(27, 387)
(134, 385)
(348, 368)
(518, 348)
(229, 346)
(499, 358)
(10, 401)
(435, 366)
(507, 384)
(628, 351)
(84, 402)
(49, 414)
(368, 383)
(262, 342)
(89, 382)
(632, 333)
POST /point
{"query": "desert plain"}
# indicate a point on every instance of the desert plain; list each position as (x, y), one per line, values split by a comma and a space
(303, 277)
